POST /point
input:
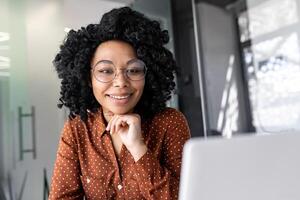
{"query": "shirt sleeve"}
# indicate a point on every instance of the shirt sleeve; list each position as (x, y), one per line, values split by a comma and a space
(65, 183)
(160, 179)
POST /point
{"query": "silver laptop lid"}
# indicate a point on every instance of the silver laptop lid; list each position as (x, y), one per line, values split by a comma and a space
(256, 167)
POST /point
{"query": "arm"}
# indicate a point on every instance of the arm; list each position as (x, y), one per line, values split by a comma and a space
(160, 180)
(66, 182)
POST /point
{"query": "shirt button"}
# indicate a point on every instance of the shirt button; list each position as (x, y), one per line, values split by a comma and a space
(119, 186)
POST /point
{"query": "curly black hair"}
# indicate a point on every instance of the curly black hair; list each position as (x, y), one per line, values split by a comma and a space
(72, 62)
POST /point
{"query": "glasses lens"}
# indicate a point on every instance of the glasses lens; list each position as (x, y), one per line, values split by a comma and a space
(136, 70)
(104, 72)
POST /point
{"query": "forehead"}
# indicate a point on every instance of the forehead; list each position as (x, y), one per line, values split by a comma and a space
(115, 51)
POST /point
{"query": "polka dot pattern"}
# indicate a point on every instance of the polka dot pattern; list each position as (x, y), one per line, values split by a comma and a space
(87, 167)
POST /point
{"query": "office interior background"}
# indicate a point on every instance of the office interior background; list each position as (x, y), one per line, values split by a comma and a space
(238, 62)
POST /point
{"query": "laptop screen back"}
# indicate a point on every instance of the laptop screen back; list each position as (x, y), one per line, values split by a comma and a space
(252, 167)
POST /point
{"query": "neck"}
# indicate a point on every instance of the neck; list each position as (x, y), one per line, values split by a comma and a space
(107, 116)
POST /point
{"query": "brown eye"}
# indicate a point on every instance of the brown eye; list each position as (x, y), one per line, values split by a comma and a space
(135, 71)
(106, 71)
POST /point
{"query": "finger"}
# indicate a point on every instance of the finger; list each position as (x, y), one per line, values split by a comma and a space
(121, 123)
(108, 127)
(113, 124)
(118, 124)
(110, 123)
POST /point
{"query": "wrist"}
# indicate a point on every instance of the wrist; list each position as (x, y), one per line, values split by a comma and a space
(138, 150)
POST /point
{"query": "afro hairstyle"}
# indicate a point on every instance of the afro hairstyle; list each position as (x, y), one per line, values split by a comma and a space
(73, 66)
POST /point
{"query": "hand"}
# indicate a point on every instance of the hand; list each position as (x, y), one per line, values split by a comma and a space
(128, 127)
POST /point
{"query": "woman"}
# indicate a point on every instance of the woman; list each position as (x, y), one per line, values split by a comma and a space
(121, 142)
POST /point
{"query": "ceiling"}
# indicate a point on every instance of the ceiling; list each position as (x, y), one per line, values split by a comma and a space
(220, 3)
(184, 5)
(127, 2)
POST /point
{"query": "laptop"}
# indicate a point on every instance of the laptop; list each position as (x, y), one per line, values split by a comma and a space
(247, 167)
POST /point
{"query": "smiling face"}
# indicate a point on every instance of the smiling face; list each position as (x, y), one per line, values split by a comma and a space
(121, 95)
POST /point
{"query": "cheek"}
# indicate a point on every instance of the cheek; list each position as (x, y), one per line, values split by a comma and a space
(140, 87)
(98, 89)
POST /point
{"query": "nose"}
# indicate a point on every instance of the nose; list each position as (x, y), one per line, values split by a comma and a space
(120, 79)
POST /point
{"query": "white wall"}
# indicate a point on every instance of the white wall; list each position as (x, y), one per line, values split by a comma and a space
(76, 13)
(1, 135)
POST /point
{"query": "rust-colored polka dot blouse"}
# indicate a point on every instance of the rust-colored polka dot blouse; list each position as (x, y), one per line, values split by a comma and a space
(86, 165)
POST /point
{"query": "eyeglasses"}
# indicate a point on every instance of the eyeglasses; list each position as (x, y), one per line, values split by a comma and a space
(105, 71)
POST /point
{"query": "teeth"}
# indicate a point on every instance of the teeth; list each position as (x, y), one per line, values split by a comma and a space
(119, 97)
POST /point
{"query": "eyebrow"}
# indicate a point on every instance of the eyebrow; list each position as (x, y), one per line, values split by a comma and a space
(110, 62)
(103, 61)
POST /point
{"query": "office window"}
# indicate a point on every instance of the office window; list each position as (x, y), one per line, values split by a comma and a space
(269, 34)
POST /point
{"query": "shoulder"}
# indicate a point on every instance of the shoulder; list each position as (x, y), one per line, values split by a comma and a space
(169, 112)
(73, 127)
(70, 129)
(77, 122)
(73, 123)
(172, 123)
(78, 127)
(170, 116)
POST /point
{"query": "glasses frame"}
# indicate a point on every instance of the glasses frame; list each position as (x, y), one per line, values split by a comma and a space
(122, 70)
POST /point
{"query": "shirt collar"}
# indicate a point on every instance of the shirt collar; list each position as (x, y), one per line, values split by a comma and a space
(98, 122)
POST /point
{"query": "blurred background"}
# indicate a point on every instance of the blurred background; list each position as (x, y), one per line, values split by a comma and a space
(239, 74)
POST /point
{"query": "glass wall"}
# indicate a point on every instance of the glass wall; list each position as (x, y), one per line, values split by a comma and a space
(269, 34)
(248, 53)
(30, 123)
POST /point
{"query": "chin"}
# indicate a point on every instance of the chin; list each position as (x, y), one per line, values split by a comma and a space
(121, 111)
